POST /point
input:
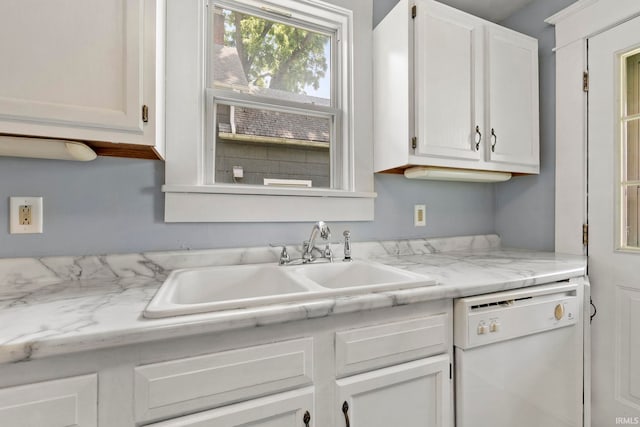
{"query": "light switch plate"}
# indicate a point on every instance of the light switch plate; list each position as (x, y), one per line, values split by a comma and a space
(18, 204)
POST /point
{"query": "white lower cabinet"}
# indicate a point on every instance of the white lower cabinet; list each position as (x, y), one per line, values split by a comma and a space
(291, 409)
(68, 402)
(176, 387)
(387, 367)
(411, 394)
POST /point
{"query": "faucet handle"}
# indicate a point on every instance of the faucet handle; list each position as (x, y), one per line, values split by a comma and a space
(328, 253)
(284, 255)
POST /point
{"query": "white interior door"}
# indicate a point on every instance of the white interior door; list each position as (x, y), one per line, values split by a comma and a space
(614, 254)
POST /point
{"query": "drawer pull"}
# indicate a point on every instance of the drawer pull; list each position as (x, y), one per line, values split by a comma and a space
(479, 137)
(306, 418)
(345, 411)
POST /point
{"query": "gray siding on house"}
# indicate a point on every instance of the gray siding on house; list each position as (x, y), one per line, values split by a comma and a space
(260, 160)
(261, 157)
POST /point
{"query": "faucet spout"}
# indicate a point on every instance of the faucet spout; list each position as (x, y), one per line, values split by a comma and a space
(321, 228)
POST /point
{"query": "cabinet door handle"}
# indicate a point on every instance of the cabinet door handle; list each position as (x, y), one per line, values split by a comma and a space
(495, 140)
(306, 418)
(345, 411)
(479, 137)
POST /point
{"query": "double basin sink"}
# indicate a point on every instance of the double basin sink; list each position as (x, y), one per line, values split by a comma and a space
(208, 289)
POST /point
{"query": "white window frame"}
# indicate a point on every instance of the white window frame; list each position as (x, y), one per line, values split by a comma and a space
(623, 182)
(190, 195)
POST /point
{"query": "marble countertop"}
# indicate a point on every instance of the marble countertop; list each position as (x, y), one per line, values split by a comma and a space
(58, 305)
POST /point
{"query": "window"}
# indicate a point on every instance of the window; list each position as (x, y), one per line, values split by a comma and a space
(630, 182)
(260, 111)
(274, 110)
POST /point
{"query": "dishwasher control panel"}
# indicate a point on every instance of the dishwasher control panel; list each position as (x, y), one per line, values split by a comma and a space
(501, 316)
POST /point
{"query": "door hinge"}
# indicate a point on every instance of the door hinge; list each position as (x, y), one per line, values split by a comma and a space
(585, 81)
(585, 235)
(145, 113)
(414, 11)
(414, 142)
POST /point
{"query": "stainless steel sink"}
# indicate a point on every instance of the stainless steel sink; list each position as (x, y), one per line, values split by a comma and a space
(209, 289)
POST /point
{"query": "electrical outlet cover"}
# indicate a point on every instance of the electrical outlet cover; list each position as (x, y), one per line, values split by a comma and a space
(419, 215)
(15, 204)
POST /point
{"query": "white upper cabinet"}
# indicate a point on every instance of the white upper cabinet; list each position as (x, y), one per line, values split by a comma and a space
(80, 69)
(454, 91)
(448, 83)
(512, 64)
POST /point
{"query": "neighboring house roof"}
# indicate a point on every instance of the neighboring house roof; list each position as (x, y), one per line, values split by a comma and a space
(250, 121)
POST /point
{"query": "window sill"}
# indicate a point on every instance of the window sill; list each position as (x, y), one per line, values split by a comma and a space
(229, 203)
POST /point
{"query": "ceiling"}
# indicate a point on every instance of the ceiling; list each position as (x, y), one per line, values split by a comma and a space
(492, 10)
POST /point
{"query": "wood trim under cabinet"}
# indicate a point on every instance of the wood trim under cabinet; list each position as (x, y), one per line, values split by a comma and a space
(111, 149)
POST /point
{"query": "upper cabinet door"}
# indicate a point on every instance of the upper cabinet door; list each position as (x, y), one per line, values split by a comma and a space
(448, 76)
(72, 63)
(512, 66)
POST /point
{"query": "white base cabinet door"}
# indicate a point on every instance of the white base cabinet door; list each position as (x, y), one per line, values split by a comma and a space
(413, 394)
(68, 402)
(291, 409)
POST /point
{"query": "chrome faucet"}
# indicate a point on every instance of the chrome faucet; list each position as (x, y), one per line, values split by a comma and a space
(310, 245)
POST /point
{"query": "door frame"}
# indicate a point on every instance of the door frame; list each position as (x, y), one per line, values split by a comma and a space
(573, 26)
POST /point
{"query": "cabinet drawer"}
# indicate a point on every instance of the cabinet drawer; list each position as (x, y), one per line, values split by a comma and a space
(364, 349)
(69, 402)
(282, 410)
(187, 385)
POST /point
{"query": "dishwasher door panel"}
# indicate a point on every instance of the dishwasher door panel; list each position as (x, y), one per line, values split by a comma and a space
(530, 381)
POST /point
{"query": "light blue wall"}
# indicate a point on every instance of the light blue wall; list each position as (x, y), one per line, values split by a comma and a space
(525, 205)
(115, 206)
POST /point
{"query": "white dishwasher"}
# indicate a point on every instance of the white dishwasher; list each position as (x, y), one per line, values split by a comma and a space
(519, 357)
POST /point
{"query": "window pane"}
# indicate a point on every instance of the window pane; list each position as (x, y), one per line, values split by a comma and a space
(633, 85)
(632, 201)
(267, 58)
(633, 150)
(271, 145)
